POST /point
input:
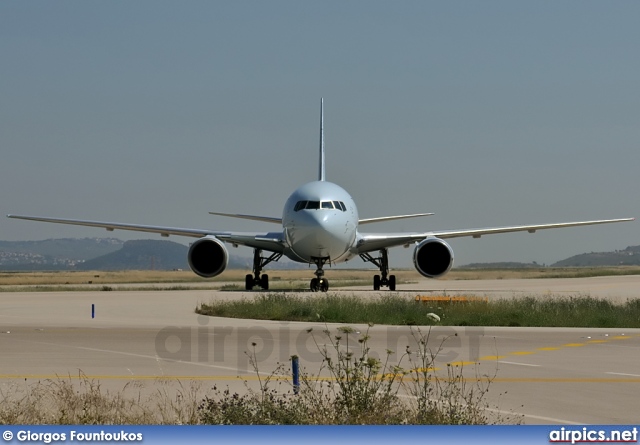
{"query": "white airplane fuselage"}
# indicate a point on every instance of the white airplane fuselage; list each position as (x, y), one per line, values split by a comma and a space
(320, 221)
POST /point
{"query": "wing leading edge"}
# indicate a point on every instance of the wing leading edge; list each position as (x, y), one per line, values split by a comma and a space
(271, 241)
(375, 241)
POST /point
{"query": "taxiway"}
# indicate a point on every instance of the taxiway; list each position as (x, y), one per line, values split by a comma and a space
(547, 375)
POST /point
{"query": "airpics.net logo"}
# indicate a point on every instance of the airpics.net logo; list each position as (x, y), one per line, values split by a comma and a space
(588, 435)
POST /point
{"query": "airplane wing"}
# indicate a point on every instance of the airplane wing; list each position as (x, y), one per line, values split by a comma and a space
(271, 241)
(376, 241)
(391, 218)
(251, 217)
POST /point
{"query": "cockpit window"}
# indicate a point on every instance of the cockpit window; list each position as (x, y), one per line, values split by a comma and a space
(315, 205)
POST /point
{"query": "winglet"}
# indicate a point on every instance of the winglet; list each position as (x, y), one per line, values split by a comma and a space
(321, 163)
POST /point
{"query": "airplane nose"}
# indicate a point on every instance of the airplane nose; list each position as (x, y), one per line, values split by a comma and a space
(318, 227)
(320, 234)
(315, 218)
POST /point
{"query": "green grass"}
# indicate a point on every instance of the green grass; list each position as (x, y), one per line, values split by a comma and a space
(548, 311)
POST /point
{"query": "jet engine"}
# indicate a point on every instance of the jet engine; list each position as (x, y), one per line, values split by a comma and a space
(433, 257)
(208, 257)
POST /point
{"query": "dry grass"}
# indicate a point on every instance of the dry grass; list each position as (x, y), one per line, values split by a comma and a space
(184, 276)
(287, 277)
(543, 272)
(95, 277)
(83, 401)
(281, 280)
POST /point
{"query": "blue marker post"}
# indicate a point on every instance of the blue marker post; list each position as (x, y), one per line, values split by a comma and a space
(93, 310)
(295, 369)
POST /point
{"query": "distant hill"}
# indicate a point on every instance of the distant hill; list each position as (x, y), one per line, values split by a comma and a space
(106, 254)
(627, 257)
(501, 265)
(160, 255)
(53, 254)
(141, 255)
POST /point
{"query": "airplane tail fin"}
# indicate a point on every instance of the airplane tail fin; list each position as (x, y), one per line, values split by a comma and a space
(321, 163)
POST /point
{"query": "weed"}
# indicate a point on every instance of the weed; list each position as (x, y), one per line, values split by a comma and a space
(63, 402)
(353, 386)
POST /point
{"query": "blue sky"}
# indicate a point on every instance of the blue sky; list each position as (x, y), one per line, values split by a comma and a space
(487, 113)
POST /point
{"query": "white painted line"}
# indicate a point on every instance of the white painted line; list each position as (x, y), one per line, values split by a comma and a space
(152, 357)
(516, 363)
(515, 413)
(622, 373)
(552, 420)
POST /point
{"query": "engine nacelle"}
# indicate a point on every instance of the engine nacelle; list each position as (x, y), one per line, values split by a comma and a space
(433, 257)
(208, 257)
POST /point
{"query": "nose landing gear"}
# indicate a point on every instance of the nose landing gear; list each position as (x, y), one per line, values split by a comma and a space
(319, 283)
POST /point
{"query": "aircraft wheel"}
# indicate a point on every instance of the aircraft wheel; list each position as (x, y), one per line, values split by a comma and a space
(324, 285)
(392, 282)
(314, 285)
(376, 282)
(248, 282)
(264, 282)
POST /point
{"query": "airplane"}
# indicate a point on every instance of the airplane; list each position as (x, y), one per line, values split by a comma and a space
(320, 225)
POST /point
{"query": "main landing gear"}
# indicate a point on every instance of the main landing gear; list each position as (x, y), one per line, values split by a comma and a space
(319, 283)
(259, 262)
(383, 264)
